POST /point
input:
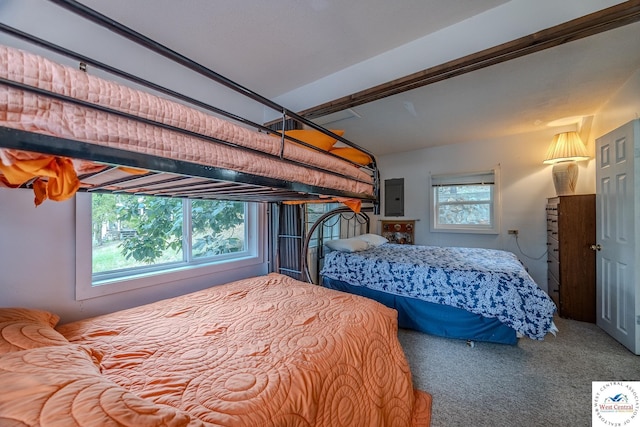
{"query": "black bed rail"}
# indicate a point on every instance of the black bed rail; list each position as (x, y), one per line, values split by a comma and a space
(112, 25)
(273, 189)
(132, 35)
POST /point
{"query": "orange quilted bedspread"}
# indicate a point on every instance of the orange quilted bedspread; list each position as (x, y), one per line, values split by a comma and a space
(37, 113)
(258, 352)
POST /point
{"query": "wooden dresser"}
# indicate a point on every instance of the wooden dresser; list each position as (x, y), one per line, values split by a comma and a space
(571, 275)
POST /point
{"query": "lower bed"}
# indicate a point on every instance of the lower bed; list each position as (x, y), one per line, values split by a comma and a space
(258, 352)
(466, 293)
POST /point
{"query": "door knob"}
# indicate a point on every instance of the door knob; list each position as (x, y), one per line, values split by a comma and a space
(596, 247)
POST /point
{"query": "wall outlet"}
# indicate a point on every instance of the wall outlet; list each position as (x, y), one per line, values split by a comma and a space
(514, 232)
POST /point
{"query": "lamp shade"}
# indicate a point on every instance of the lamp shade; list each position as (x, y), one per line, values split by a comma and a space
(565, 147)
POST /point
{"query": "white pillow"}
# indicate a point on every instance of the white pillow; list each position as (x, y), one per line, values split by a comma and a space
(353, 244)
(374, 240)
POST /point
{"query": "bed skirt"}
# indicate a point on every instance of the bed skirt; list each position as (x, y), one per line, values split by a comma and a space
(434, 319)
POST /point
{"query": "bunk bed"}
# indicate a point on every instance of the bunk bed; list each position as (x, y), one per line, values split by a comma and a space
(269, 350)
(473, 294)
(107, 137)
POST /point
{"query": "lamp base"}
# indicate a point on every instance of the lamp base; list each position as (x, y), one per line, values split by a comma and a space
(565, 177)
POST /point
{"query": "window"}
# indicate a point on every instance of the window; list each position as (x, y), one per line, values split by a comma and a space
(138, 241)
(465, 203)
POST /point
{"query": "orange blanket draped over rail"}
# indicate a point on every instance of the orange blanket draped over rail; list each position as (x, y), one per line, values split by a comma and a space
(61, 178)
(55, 178)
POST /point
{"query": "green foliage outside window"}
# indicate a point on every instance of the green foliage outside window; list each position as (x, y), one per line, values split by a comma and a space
(150, 230)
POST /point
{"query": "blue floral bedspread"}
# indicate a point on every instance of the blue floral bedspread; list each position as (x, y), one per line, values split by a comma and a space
(489, 282)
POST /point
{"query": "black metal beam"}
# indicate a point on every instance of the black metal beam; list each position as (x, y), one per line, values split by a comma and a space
(46, 144)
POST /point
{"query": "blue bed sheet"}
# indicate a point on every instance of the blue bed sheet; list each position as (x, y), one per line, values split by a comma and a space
(487, 282)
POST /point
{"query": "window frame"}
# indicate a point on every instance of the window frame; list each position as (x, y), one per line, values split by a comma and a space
(466, 179)
(86, 288)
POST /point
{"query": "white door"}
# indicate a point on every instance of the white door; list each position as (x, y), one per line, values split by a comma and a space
(617, 291)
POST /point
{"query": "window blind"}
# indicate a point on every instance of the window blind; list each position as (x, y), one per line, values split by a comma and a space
(477, 178)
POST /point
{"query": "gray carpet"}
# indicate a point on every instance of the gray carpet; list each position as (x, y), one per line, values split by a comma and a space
(536, 383)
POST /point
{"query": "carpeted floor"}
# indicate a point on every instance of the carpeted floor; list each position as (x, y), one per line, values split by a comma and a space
(536, 383)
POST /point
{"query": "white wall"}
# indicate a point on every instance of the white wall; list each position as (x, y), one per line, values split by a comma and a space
(37, 262)
(622, 107)
(525, 181)
(525, 184)
(37, 245)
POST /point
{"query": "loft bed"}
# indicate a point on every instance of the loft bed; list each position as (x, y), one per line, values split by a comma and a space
(102, 136)
(473, 294)
(263, 351)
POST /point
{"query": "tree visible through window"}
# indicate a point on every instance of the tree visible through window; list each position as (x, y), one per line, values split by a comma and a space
(135, 232)
(465, 202)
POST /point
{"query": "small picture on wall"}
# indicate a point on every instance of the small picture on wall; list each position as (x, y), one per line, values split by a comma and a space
(400, 232)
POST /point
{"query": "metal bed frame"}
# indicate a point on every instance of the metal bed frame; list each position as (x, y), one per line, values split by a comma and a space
(350, 224)
(169, 177)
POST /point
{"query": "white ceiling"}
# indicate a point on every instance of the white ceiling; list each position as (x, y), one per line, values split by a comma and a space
(274, 47)
(523, 95)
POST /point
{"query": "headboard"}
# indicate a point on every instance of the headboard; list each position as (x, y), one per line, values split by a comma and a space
(339, 223)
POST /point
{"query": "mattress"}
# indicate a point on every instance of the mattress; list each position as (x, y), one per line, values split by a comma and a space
(262, 351)
(24, 110)
(492, 283)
